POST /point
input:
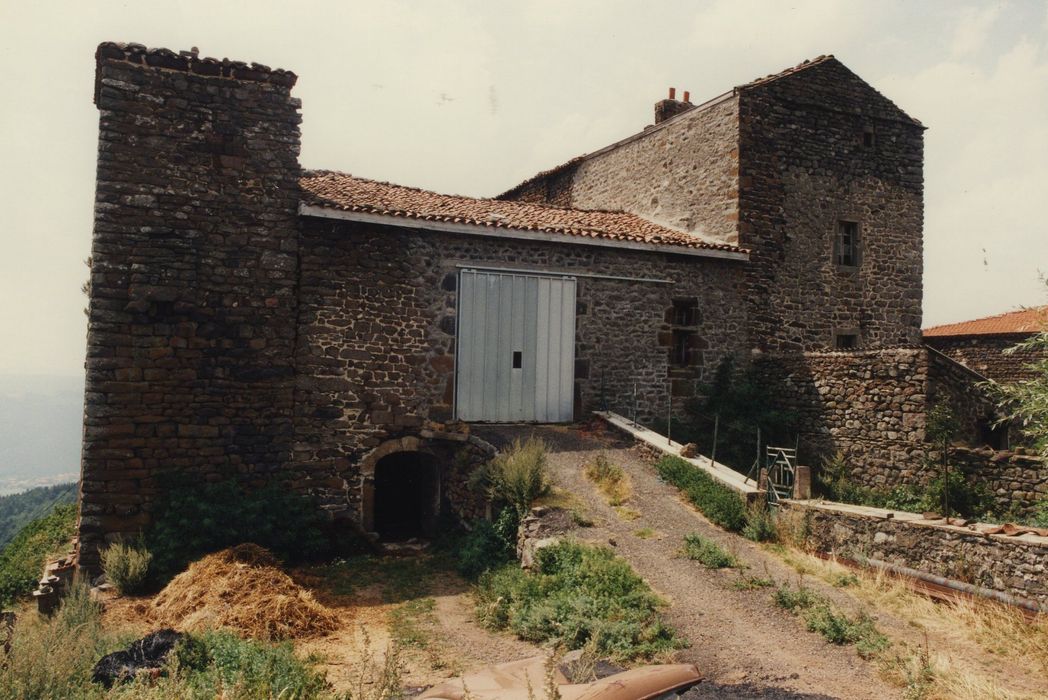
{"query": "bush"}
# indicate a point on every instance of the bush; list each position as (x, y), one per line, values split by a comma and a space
(759, 527)
(516, 477)
(193, 519)
(577, 595)
(22, 560)
(741, 400)
(487, 545)
(126, 566)
(717, 502)
(707, 552)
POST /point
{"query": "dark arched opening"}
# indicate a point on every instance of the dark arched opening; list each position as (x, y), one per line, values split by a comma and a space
(407, 496)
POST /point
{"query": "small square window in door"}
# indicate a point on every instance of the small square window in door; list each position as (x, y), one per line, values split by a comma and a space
(518, 359)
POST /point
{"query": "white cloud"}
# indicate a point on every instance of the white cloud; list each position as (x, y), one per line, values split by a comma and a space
(973, 28)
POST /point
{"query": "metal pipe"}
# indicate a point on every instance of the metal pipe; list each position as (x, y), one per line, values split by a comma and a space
(713, 450)
(960, 586)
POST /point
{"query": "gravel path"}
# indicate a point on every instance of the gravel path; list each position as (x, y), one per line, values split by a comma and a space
(745, 645)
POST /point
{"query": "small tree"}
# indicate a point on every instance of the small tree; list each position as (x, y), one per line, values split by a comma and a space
(1025, 403)
(941, 428)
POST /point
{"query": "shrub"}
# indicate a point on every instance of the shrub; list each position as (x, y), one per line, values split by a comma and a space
(611, 479)
(1040, 514)
(193, 519)
(22, 560)
(577, 595)
(717, 502)
(126, 566)
(487, 545)
(759, 527)
(740, 399)
(516, 477)
(707, 552)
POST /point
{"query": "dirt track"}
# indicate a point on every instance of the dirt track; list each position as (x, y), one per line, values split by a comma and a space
(738, 638)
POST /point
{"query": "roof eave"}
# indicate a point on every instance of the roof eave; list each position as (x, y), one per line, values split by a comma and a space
(469, 229)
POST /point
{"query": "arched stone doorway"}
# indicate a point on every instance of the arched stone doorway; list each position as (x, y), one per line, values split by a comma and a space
(406, 497)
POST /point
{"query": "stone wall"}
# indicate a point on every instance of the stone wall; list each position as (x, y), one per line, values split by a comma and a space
(804, 165)
(377, 331)
(868, 405)
(1012, 565)
(985, 355)
(193, 303)
(682, 173)
(1017, 480)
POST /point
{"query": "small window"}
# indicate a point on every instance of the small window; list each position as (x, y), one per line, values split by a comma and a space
(685, 312)
(869, 137)
(846, 250)
(681, 341)
(847, 341)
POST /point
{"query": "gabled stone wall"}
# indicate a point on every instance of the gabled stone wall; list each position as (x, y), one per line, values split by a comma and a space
(804, 165)
(193, 304)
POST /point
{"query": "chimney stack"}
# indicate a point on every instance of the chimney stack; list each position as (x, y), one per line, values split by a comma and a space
(670, 107)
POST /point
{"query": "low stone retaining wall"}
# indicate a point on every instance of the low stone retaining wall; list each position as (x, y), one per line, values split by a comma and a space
(1015, 565)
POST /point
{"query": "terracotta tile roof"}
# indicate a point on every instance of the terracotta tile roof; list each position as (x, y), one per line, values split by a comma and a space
(334, 190)
(1025, 321)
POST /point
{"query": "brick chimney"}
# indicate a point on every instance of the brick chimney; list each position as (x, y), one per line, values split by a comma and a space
(671, 107)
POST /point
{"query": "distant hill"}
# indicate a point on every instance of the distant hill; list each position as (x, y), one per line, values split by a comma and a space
(41, 419)
(17, 510)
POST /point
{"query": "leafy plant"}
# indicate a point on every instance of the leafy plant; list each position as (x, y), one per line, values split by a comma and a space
(126, 566)
(577, 595)
(717, 502)
(516, 477)
(821, 616)
(737, 402)
(487, 545)
(759, 527)
(1026, 403)
(707, 552)
(22, 560)
(193, 519)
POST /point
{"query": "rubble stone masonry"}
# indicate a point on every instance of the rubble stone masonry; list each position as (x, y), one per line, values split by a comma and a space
(817, 147)
(376, 343)
(193, 303)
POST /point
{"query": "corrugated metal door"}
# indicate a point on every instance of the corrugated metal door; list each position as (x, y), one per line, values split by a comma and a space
(516, 347)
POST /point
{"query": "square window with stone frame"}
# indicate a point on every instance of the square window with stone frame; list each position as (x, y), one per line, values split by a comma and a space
(846, 244)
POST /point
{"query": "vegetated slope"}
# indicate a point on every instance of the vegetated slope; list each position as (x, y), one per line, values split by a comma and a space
(22, 560)
(19, 509)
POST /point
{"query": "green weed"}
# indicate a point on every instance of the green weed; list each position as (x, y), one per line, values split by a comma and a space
(707, 552)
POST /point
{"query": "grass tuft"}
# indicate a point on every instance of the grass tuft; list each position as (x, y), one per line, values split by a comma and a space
(610, 478)
(707, 552)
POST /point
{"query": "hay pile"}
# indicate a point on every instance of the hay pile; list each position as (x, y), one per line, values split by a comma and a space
(242, 588)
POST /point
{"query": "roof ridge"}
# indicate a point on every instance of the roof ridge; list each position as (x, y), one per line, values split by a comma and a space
(803, 65)
(323, 171)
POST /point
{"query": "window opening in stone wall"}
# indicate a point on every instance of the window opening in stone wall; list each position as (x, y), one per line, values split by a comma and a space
(406, 496)
(685, 312)
(847, 341)
(681, 341)
(869, 137)
(993, 435)
(847, 245)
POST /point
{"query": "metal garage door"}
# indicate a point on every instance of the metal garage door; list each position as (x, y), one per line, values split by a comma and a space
(516, 347)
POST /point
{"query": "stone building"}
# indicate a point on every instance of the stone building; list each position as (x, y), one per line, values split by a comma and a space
(980, 345)
(249, 319)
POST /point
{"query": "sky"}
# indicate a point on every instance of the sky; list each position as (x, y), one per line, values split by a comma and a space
(471, 97)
